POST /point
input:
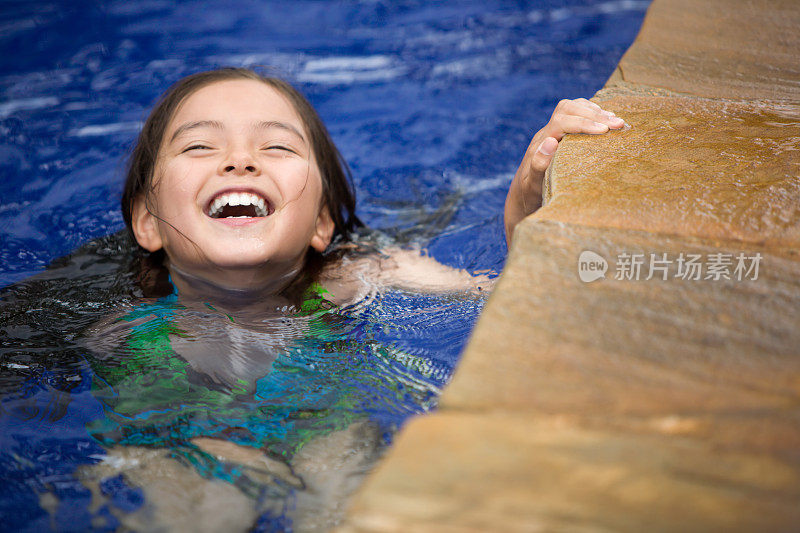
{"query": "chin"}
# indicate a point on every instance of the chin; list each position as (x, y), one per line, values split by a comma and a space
(238, 266)
(242, 261)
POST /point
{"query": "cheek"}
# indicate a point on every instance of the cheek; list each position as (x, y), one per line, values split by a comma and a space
(291, 176)
(180, 176)
(175, 190)
(312, 193)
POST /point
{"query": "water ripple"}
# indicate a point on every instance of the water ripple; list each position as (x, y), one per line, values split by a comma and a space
(27, 104)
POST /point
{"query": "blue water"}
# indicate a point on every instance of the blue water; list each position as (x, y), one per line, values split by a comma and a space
(432, 104)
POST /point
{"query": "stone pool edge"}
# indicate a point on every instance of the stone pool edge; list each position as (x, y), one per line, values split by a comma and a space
(580, 406)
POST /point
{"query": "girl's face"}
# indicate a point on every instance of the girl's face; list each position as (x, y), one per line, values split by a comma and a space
(237, 195)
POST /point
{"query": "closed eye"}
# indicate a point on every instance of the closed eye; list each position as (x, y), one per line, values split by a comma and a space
(279, 147)
(196, 147)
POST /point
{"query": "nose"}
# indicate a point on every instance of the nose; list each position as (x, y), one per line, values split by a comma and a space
(240, 163)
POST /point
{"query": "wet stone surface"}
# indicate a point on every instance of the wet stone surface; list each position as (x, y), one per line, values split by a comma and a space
(611, 405)
(627, 403)
(688, 166)
(635, 346)
(718, 48)
(528, 473)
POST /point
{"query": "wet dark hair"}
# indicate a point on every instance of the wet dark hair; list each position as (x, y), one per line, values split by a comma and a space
(337, 189)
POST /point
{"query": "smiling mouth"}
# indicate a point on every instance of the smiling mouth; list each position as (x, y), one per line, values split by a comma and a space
(239, 205)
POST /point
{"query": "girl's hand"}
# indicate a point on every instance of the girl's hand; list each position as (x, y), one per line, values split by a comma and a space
(570, 116)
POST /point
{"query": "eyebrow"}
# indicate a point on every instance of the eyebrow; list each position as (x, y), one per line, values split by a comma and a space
(194, 125)
(267, 124)
(263, 125)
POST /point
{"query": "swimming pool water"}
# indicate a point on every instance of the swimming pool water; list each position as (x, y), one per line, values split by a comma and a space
(432, 104)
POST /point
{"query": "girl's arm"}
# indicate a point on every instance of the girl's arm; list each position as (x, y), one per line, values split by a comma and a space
(357, 278)
(570, 116)
(411, 269)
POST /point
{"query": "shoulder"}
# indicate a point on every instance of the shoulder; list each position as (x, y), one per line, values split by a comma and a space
(351, 278)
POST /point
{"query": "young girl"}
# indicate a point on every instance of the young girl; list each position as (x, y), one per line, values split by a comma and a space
(237, 185)
(244, 209)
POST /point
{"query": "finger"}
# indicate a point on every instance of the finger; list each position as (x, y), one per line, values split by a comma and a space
(544, 155)
(608, 118)
(611, 120)
(584, 108)
(563, 124)
(589, 103)
(595, 109)
(605, 117)
(579, 106)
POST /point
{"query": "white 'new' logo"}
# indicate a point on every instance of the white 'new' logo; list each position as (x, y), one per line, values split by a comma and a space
(591, 266)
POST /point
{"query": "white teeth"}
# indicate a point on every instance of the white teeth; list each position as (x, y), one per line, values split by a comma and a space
(234, 199)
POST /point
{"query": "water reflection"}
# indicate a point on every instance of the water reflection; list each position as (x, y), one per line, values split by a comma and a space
(177, 414)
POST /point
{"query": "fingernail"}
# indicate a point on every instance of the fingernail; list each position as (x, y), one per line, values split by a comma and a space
(544, 150)
(609, 113)
(617, 120)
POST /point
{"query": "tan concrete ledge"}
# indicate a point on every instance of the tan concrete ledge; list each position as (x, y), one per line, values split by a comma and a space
(615, 405)
(627, 403)
(472, 472)
(734, 49)
(639, 347)
(689, 166)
